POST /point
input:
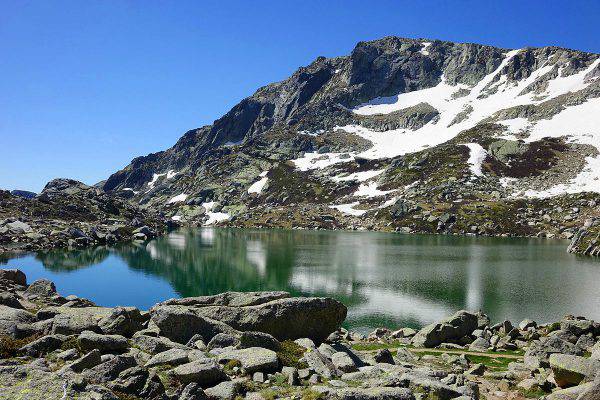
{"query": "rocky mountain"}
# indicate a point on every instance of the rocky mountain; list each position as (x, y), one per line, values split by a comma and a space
(411, 135)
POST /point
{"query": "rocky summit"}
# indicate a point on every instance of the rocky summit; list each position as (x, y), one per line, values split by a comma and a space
(267, 345)
(409, 135)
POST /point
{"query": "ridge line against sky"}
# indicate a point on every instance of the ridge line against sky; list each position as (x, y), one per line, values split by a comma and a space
(88, 86)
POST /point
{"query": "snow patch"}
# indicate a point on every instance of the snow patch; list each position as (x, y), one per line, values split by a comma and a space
(424, 50)
(176, 217)
(476, 158)
(349, 209)
(358, 176)
(177, 199)
(214, 217)
(516, 125)
(258, 186)
(320, 161)
(369, 189)
(169, 174)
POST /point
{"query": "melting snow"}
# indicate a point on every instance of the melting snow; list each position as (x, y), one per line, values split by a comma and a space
(516, 125)
(214, 217)
(177, 199)
(358, 176)
(170, 174)
(319, 161)
(476, 157)
(258, 186)
(370, 190)
(349, 209)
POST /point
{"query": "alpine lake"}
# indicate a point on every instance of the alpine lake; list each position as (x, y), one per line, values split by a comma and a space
(385, 279)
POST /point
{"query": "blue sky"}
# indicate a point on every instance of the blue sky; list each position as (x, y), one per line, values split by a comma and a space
(85, 86)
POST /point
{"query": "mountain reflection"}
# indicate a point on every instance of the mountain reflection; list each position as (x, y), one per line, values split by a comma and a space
(384, 279)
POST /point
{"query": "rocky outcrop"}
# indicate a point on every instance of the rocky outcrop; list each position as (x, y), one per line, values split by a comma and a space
(273, 313)
(68, 213)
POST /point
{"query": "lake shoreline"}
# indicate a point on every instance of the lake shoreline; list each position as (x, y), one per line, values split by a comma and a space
(262, 344)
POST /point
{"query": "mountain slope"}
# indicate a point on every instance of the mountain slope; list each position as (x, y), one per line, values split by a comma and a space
(402, 134)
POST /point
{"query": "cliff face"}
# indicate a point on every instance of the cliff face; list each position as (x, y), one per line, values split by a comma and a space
(411, 134)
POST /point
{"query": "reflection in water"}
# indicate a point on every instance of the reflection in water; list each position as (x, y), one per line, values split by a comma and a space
(384, 279)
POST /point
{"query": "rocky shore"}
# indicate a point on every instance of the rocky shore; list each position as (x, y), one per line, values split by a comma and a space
(267, 345)
(68, 213)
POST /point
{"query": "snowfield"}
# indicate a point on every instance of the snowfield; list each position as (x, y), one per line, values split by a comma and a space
(493, 93)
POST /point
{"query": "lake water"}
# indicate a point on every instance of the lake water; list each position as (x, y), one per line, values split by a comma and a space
(385, 279)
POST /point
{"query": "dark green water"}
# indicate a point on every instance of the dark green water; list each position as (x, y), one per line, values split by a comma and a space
(384, 279)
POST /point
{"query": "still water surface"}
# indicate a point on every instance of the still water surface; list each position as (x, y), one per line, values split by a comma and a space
(384, 279)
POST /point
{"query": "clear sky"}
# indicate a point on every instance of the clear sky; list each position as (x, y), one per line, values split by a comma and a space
(85, 86)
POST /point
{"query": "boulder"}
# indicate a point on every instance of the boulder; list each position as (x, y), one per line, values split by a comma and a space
(221, 340)
(41, 288)
(169, 357)
(10, 318)
(110, 369)
(259, 339)
(459, 325)
(44, 345)
(320, 364)
(181, 323)
(88, 341)
(343, 362)
(89, 360)
(571, 370)
(205, 372)
(284, 318)
(123, 321)
(376, 393)
(10, 300)
(70, 321)
(253, 359)
(539, 351)
(13, 275)
(227, 390)
(155, 344)
(193, 391)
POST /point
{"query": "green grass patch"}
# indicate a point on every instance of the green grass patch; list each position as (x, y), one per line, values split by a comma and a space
(532, 393)
(492, 363)
(290, 353)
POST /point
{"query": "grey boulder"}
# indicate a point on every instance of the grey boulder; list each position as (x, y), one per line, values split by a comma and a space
(461, 324)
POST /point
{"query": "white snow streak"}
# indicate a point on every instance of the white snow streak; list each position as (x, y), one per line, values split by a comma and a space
(177, 199)
(476, 157)
(349, 209)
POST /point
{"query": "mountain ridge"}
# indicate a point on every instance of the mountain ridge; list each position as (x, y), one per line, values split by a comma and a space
(349, 132)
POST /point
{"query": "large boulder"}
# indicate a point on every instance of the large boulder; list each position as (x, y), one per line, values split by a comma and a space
(205, 372)
(88, 341)
(14, 276)
(11, 318)
(572, 370)
(180, 323)
(232, 312)
(69, 321)
(459, 325)
(252, 359)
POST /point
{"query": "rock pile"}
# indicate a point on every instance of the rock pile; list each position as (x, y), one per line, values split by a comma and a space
(71, 214)
(266, 345)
